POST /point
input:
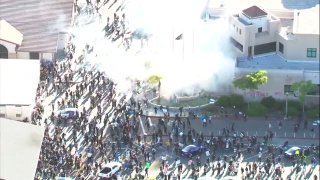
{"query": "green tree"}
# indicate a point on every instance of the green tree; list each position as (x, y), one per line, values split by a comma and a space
(303, 88)
(154, 79)
(251, 81)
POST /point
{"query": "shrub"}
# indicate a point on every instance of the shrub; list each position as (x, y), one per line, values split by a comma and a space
(293, 111)
(313, 113)
(280, 106)
(256, 109)
(236, 100)
(295, 104)
(268, 102)
(224, 101)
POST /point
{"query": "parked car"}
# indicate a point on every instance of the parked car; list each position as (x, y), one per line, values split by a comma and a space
(290, 153)
(192, 150)
(109, 170)
(67, 113)
(316, 122)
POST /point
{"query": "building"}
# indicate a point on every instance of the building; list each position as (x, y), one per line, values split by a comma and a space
(254, 31)
(19, 80)
(20, 145)
(300, 41)
(288, 49)
(34, 29)
(281, 75)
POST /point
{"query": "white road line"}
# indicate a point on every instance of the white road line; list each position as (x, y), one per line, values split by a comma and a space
(141, 123)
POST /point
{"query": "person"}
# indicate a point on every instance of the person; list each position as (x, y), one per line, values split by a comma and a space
(280, 125)
(270, 126)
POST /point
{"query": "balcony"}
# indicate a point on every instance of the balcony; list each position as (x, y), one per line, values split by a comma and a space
(262, 34)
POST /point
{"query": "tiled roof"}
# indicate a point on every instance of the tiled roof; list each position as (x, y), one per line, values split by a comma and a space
(39, 21)
(253, 12)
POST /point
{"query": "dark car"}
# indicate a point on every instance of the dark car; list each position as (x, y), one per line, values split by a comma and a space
(191, 150)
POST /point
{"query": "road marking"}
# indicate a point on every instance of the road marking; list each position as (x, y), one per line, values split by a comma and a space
(141, 123)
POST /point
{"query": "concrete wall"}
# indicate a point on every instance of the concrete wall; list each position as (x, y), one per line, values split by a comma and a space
(16, 112)
(275, 85)
(26, 55)
(23, 55)
(48, 56)
(11, 49)
(296, 48)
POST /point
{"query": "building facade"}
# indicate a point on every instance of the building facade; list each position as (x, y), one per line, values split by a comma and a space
(40, 32)
(254, 32)
(287, 49)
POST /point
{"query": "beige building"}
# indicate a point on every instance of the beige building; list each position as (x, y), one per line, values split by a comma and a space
(34, 29)
(287, 48)
(19, 80)
(255, 31)
(281, 75)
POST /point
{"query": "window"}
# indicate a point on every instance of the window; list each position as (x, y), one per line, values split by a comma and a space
(240, 31)
(287, 89)
(3, 52)
(234, 26)
(312, 52)
(280, 47)
(237, 29)
(260, 29)
(34, 55)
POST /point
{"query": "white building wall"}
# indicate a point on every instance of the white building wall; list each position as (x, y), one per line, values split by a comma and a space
(47, 56)
(16, 112)
(11, 49)
(10, 46)
(23, 55)
(312, 76)
(275, 85)
(297, 47)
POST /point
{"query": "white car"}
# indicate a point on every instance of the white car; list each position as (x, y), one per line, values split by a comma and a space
(110, 169)
(316, 122)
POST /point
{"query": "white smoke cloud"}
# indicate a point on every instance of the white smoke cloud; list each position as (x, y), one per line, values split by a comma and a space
(201, 57)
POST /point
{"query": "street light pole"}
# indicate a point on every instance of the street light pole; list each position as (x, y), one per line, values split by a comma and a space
(286, 117)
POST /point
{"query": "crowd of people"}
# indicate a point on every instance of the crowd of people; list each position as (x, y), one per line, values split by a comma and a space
(108, 121)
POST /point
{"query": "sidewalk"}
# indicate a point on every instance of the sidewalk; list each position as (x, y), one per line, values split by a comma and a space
(253, 126)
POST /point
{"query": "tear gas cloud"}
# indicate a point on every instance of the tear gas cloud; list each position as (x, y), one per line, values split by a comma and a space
(199, 59)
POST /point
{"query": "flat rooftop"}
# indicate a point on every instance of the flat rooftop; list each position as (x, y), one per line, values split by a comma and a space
(20, 145)
(19, 80)
(274, 61)
(40, 21)
(306, 21)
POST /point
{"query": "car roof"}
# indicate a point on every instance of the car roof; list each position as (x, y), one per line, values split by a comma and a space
(70, 109)
(111, 164)
(191, 146)
(293, 148)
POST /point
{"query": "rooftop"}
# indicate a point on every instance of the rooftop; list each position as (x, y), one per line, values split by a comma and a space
(274, 61)
(18, 81)
(306, 21)
(254, 12)
(20, 148)
(9, 33)
(39, 21)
